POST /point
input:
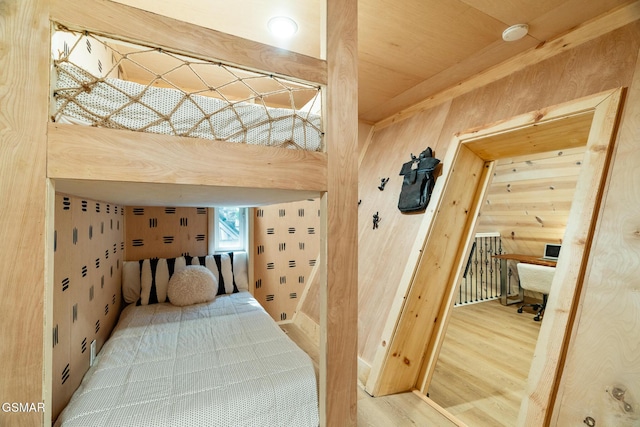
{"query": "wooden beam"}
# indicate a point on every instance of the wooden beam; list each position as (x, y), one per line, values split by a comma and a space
(590, 30)
(96, 154)
(339, 243)
(138, 26)
(24, 84)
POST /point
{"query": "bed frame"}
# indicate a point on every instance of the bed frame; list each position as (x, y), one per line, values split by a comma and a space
(127, 167)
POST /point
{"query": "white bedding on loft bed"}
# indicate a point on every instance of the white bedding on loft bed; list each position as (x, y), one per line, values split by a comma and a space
(83, 99)
(223, 363)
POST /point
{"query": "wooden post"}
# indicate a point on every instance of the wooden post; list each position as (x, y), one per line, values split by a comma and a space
(339, 255)
(24, 82)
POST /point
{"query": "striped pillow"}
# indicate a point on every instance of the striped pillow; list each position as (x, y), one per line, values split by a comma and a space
(221, 265)
(145, 282)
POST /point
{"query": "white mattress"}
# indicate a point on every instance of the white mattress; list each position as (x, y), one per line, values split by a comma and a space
(81, 99)
(224, 363)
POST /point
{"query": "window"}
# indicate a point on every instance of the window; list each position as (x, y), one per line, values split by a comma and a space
(229, 229)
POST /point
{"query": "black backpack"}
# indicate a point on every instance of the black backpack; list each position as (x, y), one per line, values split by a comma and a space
(418, 182)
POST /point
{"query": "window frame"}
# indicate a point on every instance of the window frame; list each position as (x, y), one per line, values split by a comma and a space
(215, 242)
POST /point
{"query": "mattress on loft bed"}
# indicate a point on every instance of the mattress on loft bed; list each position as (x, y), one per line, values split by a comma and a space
(223, 363)
(81, 98)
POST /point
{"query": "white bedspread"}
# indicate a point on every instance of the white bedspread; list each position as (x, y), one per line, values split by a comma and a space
(81, 99)
(225, 363)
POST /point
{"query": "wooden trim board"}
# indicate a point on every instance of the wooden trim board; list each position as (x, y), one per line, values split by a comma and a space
(98, 154)
(442, 317)
(49, 283)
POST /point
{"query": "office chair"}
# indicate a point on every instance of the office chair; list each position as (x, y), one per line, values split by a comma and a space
(536, 278)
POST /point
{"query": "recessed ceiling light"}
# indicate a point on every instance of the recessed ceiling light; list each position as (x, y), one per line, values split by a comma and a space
(515, 32)
(282, 26)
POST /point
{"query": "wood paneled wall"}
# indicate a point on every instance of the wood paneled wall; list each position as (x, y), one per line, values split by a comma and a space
(529, 199)
(286, 246)
(87, 295)
(604, 63)
(165, 232)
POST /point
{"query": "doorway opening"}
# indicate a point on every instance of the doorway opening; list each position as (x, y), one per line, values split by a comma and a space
(408, 360)
(482, 368)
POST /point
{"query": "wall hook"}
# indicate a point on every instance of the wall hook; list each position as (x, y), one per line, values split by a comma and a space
(376, 220)
(383, 182)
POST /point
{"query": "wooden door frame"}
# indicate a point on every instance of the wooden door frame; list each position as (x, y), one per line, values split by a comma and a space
(408, 360)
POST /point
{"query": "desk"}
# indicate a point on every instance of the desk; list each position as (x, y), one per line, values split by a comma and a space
(529, 259)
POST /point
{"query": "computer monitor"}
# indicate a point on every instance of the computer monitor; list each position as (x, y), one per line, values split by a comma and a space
(551, 251)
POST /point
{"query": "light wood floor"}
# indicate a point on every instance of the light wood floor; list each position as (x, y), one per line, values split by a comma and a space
(398, 410)
(480, 375)
(484, 363)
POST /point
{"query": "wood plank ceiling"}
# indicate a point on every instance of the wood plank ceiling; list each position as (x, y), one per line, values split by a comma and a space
(408, 49)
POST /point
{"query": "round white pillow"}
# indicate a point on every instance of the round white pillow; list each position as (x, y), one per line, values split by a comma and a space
(192, 285)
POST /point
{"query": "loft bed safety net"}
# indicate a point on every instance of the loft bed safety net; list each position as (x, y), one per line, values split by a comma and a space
(107, 83)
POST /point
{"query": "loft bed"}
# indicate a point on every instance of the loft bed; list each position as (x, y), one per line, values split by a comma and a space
(228, 127)
(121, 164)
(223, 102)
